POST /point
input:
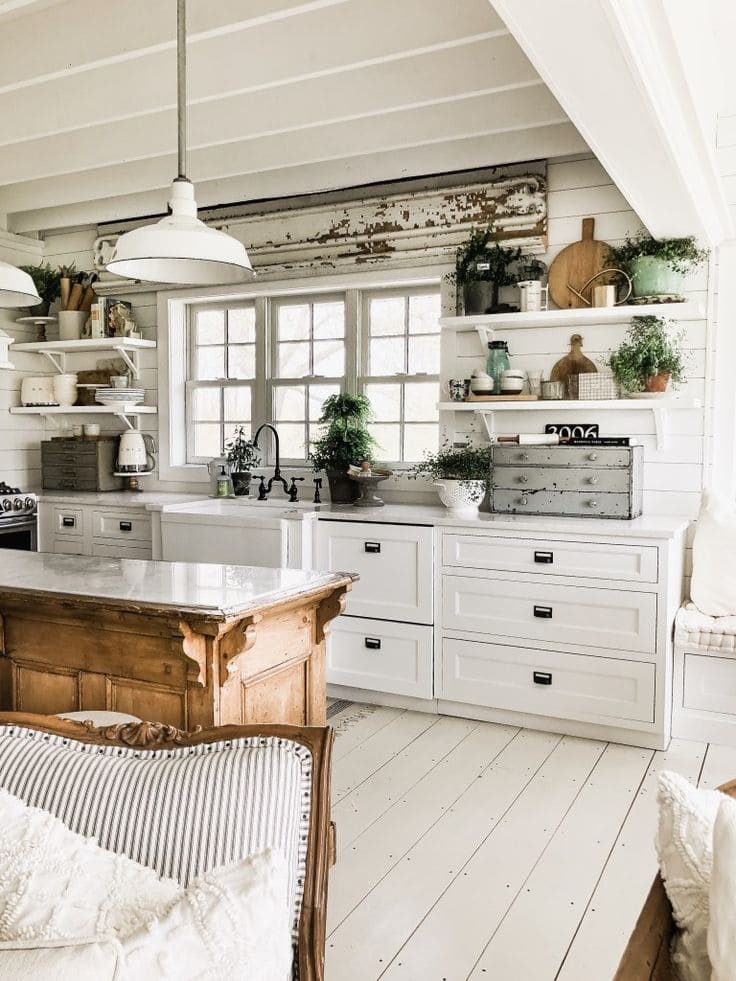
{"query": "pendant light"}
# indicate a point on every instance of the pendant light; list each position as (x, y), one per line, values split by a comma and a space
(180, 248)
(16, 288)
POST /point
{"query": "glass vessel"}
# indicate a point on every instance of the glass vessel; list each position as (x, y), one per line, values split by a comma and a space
(497, 363)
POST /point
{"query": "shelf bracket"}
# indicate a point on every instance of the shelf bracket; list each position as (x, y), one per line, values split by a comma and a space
(50, 421)
(485, 334)
(131, 362)
(127, 421)
(660, 426)
(57, 359)
(488, 421)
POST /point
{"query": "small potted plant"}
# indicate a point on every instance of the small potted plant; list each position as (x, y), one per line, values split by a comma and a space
(482, 267)
(48, 284)
(242, 455)
(461, 475)
(649, 358)
(657, 267)
(345, 442)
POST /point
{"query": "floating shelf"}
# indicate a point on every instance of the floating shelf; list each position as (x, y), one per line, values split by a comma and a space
(123, 412)
(578, 317)
(56, 351)
(658, 407)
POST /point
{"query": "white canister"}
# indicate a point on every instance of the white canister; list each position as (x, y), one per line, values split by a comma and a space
(532, 296)
(71, 324)
(604, 296)
(65, 389)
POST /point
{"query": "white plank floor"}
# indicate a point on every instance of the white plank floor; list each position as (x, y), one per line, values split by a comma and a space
(468, 850)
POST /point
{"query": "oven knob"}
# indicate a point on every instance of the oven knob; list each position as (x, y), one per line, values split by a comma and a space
(29, 503)
(18, 503)
(7, 505)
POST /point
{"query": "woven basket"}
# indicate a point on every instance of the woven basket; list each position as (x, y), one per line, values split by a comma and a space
(593, 385)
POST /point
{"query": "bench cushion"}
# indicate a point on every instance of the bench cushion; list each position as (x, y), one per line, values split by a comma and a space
(181, 812)
(696, 629)
(59, 960)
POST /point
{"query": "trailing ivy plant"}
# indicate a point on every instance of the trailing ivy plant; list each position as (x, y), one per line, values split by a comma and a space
(463, 463)
(346, 439)
(680, 254)
(650, 347)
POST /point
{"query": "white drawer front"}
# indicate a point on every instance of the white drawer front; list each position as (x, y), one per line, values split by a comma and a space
(121, 551)
(710, 683)
(581, 615)
(568, 686)
(68, 546)
(380, 656)
(133, 525)
(68, 522)
(593, 560)
(394, 563)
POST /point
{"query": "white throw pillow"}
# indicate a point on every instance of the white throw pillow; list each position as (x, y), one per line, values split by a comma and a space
(62, 960)
(713, 587)
(722, 927)
(685, 851)
(234, 922)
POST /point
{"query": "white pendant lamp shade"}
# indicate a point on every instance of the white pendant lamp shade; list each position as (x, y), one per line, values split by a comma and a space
(180, 249)
(16, 287)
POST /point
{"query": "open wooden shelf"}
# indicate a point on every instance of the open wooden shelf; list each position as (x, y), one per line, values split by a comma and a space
(579, 317)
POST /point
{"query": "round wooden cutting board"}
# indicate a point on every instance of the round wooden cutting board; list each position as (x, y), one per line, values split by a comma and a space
(575, 265)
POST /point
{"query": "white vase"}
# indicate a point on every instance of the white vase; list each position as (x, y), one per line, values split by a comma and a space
(65, 389)
(71, 323)
(461, 496)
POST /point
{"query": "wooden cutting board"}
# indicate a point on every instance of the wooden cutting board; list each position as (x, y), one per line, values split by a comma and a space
(575, 265)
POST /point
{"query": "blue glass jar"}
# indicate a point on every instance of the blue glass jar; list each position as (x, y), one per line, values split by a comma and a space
(497, 363)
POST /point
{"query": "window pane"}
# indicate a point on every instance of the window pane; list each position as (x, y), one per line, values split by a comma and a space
(241, 360)
(317, 395)
(420, 402)
(424, 354)
(230, 428)
(292, 441)
(387, 316)
(294, 360)
(237, 404)
(387, 356)
(294, 322)
(424, 314)
(288, 402)
(329, 358)
(210, 363)
(388, 439)
(206, 404)
(211, 327)
(241, 325)
(329, 320)
(386, 402)
(418, 439)
(207, 440)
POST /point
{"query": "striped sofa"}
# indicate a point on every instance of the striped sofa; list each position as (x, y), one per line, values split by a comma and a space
(184, 803)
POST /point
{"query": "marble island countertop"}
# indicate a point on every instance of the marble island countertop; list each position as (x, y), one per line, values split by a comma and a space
(219, 592)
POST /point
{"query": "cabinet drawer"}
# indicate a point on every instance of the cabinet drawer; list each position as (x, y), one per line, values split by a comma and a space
(594, 560)
(613, 480)
(380, 656)
(582, 615)
(68, 522)
(394, 563)
(566, 686)
(588, 503)
(119, 525)
(68, 546)
(710, 683)
(121, 551)
(575, 456)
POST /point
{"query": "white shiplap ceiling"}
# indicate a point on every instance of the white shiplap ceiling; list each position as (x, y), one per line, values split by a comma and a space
(285, 97)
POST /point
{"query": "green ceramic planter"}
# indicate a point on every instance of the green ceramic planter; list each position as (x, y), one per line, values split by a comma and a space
(654, 277)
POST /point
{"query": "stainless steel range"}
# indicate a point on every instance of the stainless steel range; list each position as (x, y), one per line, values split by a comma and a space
(18, 519)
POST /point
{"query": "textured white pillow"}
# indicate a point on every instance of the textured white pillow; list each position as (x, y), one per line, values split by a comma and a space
(234, 922)
(713, 587)
(722, 927)
(685, 851)
(60, 960)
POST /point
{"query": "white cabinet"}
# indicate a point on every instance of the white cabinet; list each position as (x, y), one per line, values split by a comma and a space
(394, 563)
(379, 655)
(86, 529)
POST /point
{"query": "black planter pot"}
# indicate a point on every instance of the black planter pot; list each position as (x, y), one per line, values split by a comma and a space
(343, 490)
(41, 309)
(478, 296)
(241, 483)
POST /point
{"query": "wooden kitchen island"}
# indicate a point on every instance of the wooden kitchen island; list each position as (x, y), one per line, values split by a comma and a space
(181, 643)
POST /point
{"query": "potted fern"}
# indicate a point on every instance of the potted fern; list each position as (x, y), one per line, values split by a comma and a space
(657, 267)
(649, 358)
(242, 456)
(345, 441)
(461, 475)
(48, 285)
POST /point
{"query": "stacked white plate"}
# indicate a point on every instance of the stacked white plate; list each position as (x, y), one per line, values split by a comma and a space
(120, 396)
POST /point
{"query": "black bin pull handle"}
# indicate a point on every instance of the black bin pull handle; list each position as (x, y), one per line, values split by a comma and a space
(543, 612)
(374, 547)
(372, 643)
(68, 522)
(126, 525)
(544, 558)
(542, 677)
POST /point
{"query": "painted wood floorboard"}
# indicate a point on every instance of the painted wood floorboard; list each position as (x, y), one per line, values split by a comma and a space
(475, 850)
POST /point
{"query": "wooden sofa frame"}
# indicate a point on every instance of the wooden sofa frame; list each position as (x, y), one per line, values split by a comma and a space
(318, 740)
(647, 954)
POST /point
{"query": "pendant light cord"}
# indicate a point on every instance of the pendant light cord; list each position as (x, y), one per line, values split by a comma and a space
(181, 84)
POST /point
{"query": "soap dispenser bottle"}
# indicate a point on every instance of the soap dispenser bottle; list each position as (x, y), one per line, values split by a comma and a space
(224, 484)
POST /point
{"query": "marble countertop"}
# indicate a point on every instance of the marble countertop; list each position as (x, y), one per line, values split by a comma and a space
(150, 500)
(219, 592)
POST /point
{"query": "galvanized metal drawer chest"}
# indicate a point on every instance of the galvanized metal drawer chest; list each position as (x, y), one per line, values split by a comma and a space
(579, 481)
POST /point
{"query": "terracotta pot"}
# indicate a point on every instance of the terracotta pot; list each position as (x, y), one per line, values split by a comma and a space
(657, 383)
(343, 490)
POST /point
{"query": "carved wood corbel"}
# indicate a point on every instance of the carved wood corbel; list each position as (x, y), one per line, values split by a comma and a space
(330, 608)
(238, 640)
(194, 646)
